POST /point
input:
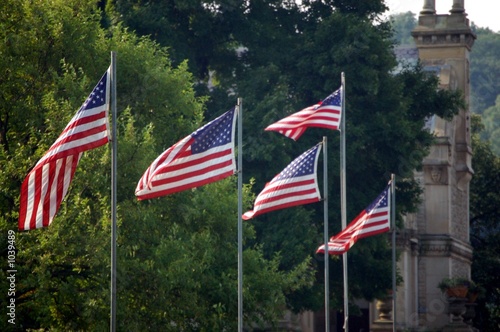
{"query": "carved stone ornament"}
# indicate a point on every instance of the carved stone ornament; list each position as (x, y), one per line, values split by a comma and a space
(436, 174)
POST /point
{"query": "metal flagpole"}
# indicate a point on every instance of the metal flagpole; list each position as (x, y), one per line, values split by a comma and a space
(240, 213)
(325, 222)
(393, 226)
(343, 202)
(113, 191)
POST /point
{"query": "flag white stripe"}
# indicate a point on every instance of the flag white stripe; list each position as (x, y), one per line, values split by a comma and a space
(43, 192)
(30, 199)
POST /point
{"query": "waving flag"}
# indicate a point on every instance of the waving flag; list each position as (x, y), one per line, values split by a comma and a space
(47, 184)
(205, 156)
(295, 185)
(375, 219)
(325, 114)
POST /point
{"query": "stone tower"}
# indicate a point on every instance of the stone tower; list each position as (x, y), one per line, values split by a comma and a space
(435, 241)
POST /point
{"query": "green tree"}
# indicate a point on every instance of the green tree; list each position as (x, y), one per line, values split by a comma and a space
(491, 131)
(484, 228)
(403, 24)
(176, 255)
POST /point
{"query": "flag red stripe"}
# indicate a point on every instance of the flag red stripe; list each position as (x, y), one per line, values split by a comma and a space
(37, 193)
(83, 120)
(284, 206)
(46, 200)
(276, 188)
(279, 196)
(193, 162)
(191, 174)
(77, 143)
(82, 135)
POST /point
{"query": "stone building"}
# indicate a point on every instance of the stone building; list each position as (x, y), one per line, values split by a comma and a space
(435, 241)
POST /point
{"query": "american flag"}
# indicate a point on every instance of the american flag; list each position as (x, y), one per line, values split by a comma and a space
(47, 184)
(375, 219)
(295, 185)
(205, 156)
(325, 114)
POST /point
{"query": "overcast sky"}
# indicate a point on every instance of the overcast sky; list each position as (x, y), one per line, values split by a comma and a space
(484, 13)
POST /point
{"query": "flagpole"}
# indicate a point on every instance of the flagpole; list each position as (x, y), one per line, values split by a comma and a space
(325, 223)
(240, 214)
(113, 191)
(393, 226)
(343, 201)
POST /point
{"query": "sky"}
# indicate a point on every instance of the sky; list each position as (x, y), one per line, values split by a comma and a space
(484, 13)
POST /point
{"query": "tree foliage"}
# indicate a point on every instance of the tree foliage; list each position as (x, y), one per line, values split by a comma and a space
(484, 70)
(484, 228)
(403, 24)
(176, 255)
(491, 130)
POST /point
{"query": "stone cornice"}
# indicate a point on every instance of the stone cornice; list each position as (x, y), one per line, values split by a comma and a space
(444, 30)
(444, 245)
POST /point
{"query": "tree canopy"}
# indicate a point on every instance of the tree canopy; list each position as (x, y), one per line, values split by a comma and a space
(484, 228)
(177, 266)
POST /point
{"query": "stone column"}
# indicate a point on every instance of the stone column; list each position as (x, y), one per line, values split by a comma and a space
(458, 7)
(429, 7)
